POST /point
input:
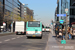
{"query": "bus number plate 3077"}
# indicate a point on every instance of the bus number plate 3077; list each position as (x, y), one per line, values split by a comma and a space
(33, 35)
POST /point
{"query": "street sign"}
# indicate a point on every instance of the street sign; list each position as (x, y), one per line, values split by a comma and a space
(59, 15)
(66, 10)
(61, 21)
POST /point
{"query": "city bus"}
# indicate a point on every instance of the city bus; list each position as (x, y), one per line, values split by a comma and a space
(34, 29)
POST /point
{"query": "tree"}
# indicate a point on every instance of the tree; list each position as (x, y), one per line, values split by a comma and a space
(1, 14)
(7, 18)
(27, 18)
(31, 18)
(15, 17)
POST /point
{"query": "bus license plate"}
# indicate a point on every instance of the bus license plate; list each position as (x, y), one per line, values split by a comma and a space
(33, 35)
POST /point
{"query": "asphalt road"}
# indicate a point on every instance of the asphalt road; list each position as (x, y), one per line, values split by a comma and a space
(20, 42)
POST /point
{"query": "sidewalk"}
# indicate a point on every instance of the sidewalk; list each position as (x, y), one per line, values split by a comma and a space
(70, 44)
(6, 33)
(55, 43)
(52, 42)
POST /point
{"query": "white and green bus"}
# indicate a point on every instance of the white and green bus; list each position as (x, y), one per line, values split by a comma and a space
(34, 29)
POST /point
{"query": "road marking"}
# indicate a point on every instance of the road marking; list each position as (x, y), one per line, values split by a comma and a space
(18, 37)
(30, 49)
(21, 36)
(7, 40)
(13, 38)
(0, 42)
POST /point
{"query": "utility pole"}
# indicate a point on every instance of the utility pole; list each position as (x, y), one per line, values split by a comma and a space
(66, 26)
(66, 10)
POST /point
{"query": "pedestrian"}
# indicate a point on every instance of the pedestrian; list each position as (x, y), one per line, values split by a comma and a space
(63, 33)
(69, 33)
(57, 32)
(71, 30)
(73, 33)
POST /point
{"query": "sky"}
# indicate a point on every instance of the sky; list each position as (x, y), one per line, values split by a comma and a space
(44, 10)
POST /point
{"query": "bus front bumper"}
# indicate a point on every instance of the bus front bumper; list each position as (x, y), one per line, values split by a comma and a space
(33, 35)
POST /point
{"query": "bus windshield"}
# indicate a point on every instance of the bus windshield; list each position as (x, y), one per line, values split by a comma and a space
(33, 24)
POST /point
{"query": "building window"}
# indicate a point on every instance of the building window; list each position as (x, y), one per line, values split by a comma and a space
(25, 14)
(24, 8)
(24, 11)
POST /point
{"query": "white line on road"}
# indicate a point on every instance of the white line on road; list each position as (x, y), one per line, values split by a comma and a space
(21, 36)
(13, 38)
(7, 40)
(0, 42)
(18, 37)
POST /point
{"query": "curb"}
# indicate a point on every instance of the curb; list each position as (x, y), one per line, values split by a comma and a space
(6, 34)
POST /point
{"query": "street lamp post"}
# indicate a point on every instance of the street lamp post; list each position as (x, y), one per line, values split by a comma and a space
(66, 10)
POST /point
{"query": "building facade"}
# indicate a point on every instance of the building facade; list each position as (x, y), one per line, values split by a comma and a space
(63, 5)
(12, 6)
(57, 11)
(28, 11)
(55, 14)
(72, 11)
(21, 9)
(1, 12)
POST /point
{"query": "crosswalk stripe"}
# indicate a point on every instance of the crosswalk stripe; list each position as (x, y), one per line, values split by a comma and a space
(18, 37)
(0, 42)
(13, 38)
(7, 40)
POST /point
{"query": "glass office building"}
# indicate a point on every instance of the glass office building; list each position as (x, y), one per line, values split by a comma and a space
(72, 11)
(1, 12)
(63, 4)
(12, 6)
